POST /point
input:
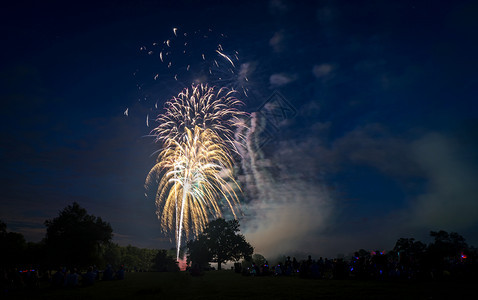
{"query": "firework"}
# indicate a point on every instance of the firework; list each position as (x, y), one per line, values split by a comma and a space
(194, 168)
(200, 106)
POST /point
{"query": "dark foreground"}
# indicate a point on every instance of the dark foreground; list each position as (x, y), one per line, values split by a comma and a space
(229, 285)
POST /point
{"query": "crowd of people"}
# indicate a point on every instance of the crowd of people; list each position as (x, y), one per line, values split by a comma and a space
(376, 265)
(29, 279)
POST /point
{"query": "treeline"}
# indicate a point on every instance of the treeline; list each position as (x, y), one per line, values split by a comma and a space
(76, 239)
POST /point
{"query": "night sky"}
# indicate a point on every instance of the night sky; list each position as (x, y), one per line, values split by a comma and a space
(383, 144)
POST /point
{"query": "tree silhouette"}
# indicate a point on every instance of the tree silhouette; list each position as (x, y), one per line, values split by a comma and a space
(76, 238)
(446, 248)
(447, 244)
(12, 246)
(220, 242)
(3, 229)
(163, 262)
(409, 249)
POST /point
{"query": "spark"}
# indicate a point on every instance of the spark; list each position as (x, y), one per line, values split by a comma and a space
(161, 56)
(147, 120)
(244, 90)
(175, 31)
(126, 112)
(226, 57)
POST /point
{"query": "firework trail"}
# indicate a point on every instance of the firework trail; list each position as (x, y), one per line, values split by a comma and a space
(194, 168)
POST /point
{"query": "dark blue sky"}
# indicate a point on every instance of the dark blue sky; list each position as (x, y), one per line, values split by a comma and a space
(383, 144)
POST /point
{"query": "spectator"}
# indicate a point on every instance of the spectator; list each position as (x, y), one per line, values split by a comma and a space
(120, 273)
(90, 277)
(72, 278)
(108, 274)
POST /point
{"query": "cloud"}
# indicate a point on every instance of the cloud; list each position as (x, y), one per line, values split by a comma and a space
(436, 163)
(372, 145)
(246, 69)
(277, 42)
(280, 79)
(369, 145)
(323, 71)
(278, 7)
(450, 201)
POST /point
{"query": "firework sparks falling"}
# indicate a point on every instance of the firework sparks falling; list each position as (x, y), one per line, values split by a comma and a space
(194, 168)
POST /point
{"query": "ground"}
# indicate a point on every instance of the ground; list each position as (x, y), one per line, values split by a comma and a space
(229, 285)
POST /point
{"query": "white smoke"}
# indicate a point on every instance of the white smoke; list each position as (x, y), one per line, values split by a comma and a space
(286, 212)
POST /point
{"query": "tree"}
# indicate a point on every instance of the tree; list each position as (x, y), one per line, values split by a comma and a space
(137, 258)
(12, 247)
(410, 254)
(3, 229)
(446, 246)
(220, 242)
(198, 252)
(409, 249)
(112, 255)
(75, 238)
(258, 259)
(163, 262)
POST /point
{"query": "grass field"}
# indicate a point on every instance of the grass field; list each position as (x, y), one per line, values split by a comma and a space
(229, 285)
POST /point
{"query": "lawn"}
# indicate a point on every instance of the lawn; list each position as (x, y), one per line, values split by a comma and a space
(229, 285)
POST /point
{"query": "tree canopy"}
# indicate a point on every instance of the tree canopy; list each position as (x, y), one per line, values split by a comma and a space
(165, 262)
(220, 242)
(12, 245)
(75, 237)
